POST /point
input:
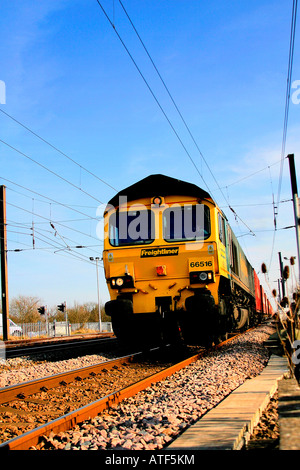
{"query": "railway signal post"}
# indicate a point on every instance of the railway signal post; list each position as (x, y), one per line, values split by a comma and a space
(63, 308)
(98, 292)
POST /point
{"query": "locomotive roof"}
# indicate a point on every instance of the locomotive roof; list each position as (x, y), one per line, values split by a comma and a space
(159, 185)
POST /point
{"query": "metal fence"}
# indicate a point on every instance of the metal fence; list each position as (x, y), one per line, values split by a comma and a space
(62, 328)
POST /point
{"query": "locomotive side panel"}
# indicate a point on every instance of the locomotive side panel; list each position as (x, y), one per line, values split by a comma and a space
(258, 296)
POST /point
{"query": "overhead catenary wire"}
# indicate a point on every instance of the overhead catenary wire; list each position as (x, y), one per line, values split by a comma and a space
(58, 247)
(288, 90)
(40, 232)
(88, 171)
(152, 92)
(172, 99)
(48, 198)
(286, 116)
(49, 220)
(90, 217)
(79, 165)
(45, 218)
(50, 171)
(256, 204)
(251, 174)
(163, 111)
(58, 150)
(53, 244)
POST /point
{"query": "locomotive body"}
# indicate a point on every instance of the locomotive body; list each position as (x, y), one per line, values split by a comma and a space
(173, 266)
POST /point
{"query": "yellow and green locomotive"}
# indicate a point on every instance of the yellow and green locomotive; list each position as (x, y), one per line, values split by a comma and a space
(173, 266)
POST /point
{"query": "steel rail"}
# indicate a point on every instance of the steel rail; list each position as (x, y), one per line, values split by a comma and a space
(23, 389)
(40, 340)
(26, 349)
(68, 421)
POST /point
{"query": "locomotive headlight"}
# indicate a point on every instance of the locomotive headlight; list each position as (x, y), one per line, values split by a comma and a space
(197, 277)
(157, 201)
(122, 282)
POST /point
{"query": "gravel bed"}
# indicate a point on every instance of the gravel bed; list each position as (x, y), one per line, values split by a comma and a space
(23, 369)
(154, 417)
(19, 416)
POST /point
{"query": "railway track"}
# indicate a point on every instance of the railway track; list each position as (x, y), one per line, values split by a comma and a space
(75, 397)
(69, 345)
(27, 405)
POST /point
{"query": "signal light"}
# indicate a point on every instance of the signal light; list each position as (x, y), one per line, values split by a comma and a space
(62, 307)
(42, 310)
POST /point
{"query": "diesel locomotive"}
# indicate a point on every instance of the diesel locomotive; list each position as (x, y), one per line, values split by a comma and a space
(174, 268)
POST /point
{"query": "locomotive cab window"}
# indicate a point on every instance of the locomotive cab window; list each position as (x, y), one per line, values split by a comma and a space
(186, 223)
(234, 263)
(134, 227)
(221, 229)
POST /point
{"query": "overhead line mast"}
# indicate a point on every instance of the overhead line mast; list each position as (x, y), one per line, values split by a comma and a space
(3, 255)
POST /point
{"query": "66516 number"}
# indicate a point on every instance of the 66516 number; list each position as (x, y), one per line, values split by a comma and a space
(200, 264)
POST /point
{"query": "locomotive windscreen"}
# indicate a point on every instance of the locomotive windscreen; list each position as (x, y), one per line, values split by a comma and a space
(131, 228)
(186, 223)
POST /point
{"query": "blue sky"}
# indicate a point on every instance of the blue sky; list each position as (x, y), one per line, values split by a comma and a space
(70, 80)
